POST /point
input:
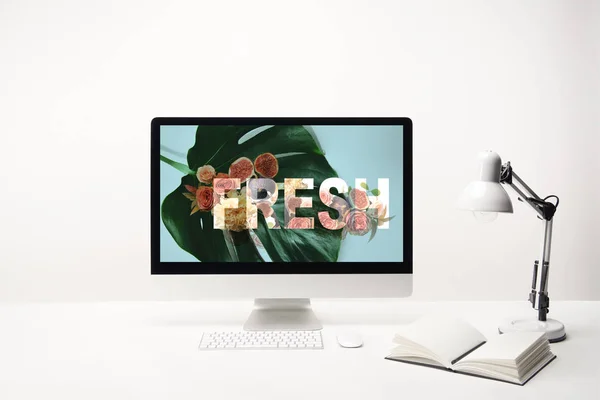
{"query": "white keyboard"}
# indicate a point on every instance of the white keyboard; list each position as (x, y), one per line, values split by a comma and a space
(261, 340)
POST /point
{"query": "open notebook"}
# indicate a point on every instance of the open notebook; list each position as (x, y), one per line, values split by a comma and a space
(454, 345)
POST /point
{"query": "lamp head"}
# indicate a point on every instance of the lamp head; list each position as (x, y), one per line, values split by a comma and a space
(486, 195)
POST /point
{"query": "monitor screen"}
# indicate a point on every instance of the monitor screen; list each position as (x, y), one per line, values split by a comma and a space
(269, 195)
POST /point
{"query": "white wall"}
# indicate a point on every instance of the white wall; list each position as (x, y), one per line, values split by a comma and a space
(81, 80)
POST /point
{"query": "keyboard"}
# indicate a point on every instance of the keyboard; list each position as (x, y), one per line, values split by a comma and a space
(254, 340)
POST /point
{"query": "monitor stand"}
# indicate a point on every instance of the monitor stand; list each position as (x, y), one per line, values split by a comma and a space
(282, 315)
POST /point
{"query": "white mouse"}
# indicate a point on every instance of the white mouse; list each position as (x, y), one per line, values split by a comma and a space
(349, 339)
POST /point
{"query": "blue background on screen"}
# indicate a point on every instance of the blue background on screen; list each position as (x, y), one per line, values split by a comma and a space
(369, 152)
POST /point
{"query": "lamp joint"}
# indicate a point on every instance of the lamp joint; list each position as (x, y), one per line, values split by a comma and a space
(506, 173)
(545, 208)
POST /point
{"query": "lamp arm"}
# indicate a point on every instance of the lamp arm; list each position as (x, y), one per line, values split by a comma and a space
(538, 297)
(542, 207)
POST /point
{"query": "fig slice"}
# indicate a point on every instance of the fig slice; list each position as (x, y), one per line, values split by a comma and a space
(241, 169)
(266, 165)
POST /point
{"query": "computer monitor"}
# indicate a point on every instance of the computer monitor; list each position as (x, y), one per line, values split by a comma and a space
(284, 209)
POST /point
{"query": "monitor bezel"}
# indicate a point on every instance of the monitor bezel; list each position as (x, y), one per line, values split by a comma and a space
(159, 267)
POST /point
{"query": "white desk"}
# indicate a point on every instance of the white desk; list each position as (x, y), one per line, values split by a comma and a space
(149, 351)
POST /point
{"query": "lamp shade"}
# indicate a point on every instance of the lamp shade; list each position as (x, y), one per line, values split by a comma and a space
(486, 194)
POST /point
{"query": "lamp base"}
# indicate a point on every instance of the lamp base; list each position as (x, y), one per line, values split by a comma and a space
(555, 330)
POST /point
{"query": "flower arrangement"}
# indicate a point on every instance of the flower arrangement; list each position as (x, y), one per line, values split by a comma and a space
(364, 216)
(358, 217)
(234, 216)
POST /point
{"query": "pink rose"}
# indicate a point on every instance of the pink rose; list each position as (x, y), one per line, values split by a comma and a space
(326, 197)
(224, 185)
(205, 198)
(357, 223)
(205, 174)
(300, 223)
(327, 221)
(359, 198)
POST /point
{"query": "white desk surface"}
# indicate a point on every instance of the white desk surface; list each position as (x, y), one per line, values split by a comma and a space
(149, 351)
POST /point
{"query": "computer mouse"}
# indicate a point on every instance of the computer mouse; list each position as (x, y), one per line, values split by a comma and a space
(349, 339)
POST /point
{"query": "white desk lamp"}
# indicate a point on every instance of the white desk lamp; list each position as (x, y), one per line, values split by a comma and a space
(486, 197)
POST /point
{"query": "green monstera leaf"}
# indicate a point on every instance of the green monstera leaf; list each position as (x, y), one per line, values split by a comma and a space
(299, 156)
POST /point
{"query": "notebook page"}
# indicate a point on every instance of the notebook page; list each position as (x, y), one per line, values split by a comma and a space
(448, 337)
(512, 376)
(508, 346)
